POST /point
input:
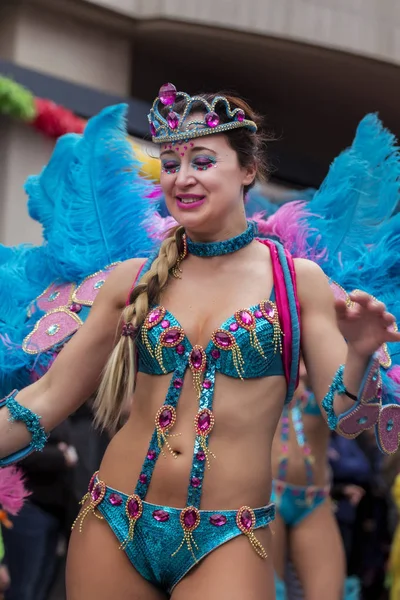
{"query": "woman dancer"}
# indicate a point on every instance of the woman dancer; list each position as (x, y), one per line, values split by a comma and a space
(305, 528)
(204, 272)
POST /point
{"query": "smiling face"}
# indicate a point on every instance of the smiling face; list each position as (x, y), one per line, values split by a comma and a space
(203, 183)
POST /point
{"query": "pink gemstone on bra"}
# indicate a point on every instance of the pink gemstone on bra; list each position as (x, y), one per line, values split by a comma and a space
(165, 324)
(223, 339)
(200, 456)
(207, 384)
(153, 130)
(258, 314)
(196, 358)
(115, 499)
(204, 421)
(269, 309)
(154, 315)
(218, 520)
(246, 317)
(178, 383)
(151, 455)
(75, 307)
(196, 482)
(172, 336)
(133, 508)
(180, 349)
(165, 418)
(190, 518)
(161, 515)
(215, 353)
(143, 478)
(233, 326)
(246, 519)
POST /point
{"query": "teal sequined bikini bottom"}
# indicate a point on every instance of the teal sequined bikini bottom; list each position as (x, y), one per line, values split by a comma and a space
(295, 503)
(164, 543)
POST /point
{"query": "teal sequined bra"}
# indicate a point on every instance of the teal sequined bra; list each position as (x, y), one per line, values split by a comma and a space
(247, 345)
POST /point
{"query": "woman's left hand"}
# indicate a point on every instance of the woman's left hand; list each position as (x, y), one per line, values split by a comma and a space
(365, 324)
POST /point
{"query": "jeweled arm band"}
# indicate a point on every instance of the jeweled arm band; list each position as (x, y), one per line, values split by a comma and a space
(365, 412)
(32, 423)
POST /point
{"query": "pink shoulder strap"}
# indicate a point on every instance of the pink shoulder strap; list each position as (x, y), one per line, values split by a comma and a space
(282, 302)
(135, 282)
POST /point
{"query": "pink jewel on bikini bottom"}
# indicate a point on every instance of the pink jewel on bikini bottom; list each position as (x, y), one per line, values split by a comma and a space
(190, 520)
(96, 496)
(115, 499)
(388, 428)
(246, 520)
(218, 520)
(161, 515)
(133, 511)
(361, 418)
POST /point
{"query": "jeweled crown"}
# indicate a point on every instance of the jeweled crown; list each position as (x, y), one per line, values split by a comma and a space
(176, 127)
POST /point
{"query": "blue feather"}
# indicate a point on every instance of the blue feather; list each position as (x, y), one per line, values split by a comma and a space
(98, 199)
(360, 192)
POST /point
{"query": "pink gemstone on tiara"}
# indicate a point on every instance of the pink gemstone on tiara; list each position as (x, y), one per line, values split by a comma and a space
(240, 116)
(167, 94)
(212, 119)
(172, 120)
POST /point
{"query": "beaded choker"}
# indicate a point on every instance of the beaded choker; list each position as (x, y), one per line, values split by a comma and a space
(220, 248)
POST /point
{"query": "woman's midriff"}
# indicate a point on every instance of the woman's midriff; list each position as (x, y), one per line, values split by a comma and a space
(246, 414)
(317, 435)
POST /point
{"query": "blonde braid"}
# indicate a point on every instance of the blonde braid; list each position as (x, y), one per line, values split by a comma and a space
(118, 380)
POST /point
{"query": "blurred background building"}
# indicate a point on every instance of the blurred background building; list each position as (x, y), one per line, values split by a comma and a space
(313, 67)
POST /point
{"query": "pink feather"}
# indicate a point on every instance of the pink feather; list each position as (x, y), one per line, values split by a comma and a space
(157, 226)
(12, 490)
(289, 225)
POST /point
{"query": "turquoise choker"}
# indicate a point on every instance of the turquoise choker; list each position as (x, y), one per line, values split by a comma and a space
(225, 247)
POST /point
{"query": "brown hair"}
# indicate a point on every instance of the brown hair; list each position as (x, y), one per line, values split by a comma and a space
(118, 381)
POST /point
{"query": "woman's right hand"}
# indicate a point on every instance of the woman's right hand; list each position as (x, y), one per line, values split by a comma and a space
(75, 374)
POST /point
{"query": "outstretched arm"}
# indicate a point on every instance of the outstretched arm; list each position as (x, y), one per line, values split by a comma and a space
(365, 325)
(75, 374)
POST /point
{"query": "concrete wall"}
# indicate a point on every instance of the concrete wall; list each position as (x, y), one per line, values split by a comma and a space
(366, 27)
(66, 48)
